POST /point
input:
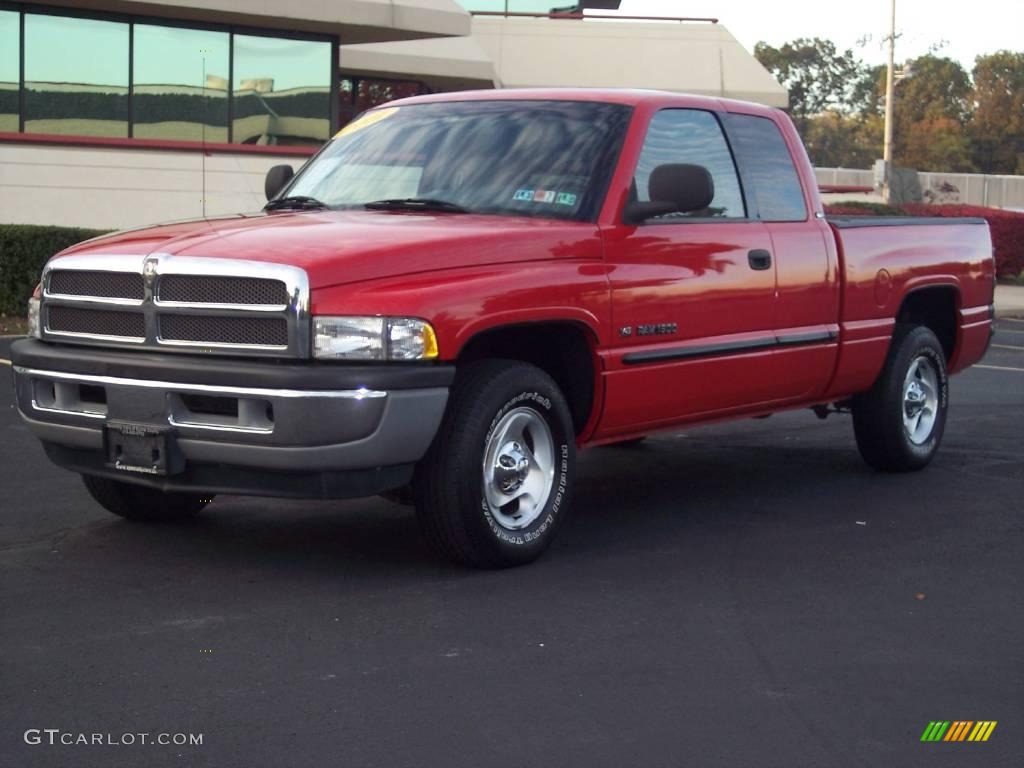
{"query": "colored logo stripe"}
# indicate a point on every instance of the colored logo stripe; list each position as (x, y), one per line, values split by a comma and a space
(982, 731)
(958, 730)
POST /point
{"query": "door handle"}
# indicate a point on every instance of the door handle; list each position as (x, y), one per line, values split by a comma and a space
(759, 259)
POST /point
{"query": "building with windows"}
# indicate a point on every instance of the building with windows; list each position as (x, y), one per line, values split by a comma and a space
(118, 113)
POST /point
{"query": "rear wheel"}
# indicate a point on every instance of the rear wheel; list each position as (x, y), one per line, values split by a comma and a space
(495, 484)
(136, 502)
(899, 422)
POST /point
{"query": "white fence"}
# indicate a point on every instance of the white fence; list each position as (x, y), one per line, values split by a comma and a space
(968, 188)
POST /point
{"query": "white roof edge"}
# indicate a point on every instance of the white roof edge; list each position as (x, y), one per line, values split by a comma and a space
(445, 57)
(351, 20)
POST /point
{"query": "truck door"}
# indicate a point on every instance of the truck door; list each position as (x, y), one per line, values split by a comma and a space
(806, 273)
(692, 294)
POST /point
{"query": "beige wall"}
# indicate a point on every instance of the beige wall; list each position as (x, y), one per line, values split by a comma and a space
(117, 188)
(687, 57)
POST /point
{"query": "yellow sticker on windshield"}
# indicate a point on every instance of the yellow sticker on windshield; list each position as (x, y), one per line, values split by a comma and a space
(366, 121)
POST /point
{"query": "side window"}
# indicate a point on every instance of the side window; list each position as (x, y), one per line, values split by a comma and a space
(691, 136)
(769, 167)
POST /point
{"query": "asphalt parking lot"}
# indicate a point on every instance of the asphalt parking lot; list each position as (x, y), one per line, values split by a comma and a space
(747, 594)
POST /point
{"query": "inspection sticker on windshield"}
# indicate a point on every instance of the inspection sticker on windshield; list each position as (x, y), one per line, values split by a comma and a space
(366, 121)
(545, 196)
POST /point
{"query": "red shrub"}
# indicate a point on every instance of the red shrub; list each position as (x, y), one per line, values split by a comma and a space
(1007, 228)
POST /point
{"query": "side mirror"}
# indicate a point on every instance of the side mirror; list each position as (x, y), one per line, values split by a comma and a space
(673, 188)
(277, 177)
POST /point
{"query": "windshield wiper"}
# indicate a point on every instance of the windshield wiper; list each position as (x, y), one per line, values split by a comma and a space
(415, 204)
(295, 202)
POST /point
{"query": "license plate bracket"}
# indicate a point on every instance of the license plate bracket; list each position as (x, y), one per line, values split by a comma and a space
(142, 448)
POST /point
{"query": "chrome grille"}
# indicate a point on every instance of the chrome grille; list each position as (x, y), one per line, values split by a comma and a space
(271, 331)
(96, 322)
(177, 304)
(107, 285)
(219, 289)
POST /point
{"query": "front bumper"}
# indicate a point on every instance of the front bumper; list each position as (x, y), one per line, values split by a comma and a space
(309, 430)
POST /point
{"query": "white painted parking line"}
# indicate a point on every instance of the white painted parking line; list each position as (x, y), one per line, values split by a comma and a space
(1007, 346)
(1009, 330)
(13, 336)
(998, 368)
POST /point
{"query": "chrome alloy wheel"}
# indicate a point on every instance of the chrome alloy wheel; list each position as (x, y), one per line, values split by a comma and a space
(920, 400)
(519, 468)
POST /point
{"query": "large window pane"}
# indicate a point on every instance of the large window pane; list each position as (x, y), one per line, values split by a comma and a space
(282, 91)
(180, 84)
(694, 137)
(9, 57)
(76, 76)
(769, 165)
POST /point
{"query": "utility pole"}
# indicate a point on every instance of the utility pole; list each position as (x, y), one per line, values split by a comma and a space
(890, 93)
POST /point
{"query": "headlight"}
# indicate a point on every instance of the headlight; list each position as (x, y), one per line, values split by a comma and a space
(33, 313)
(373, 338)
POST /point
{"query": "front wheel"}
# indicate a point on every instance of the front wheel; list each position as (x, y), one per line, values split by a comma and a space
(136, 502)
(899, 422)
(495, 484)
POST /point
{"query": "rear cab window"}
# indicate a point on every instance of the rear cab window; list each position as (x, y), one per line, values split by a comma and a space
(770, 177)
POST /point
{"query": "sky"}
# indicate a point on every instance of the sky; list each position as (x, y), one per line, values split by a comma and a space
(968, 29)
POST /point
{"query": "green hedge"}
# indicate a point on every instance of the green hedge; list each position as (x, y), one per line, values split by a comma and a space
(23, 251)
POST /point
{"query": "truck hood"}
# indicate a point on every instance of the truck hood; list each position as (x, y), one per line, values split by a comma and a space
(336, 247)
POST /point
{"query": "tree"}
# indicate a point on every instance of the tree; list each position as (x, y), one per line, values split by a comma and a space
(837, 140)
(817, 75)
(867, 96)
(933, 105)
(935, 86)
(997, 127)
(936, 143)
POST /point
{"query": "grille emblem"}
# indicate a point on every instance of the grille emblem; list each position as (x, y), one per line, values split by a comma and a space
(149, 271)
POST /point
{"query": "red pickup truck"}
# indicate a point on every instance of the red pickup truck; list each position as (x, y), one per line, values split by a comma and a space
(460, 291)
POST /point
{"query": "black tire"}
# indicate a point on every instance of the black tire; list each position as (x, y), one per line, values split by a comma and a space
(449, 486)
(148, 505)
(884, 440)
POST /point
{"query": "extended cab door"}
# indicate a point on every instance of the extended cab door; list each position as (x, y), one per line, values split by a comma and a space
(806, 265)
(693, 295)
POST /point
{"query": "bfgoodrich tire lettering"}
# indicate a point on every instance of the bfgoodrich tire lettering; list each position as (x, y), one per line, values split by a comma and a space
(899, 422)
(507, 428)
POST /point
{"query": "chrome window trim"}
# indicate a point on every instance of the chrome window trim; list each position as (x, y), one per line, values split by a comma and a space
(350, 394)
(152, 267)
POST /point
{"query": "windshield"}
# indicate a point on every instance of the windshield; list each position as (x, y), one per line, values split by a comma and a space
(551, 159)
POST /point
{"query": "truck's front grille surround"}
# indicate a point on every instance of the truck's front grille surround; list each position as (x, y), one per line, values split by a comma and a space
(187, 304)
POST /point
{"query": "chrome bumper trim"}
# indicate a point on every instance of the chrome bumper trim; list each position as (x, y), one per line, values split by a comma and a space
(350, 394)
